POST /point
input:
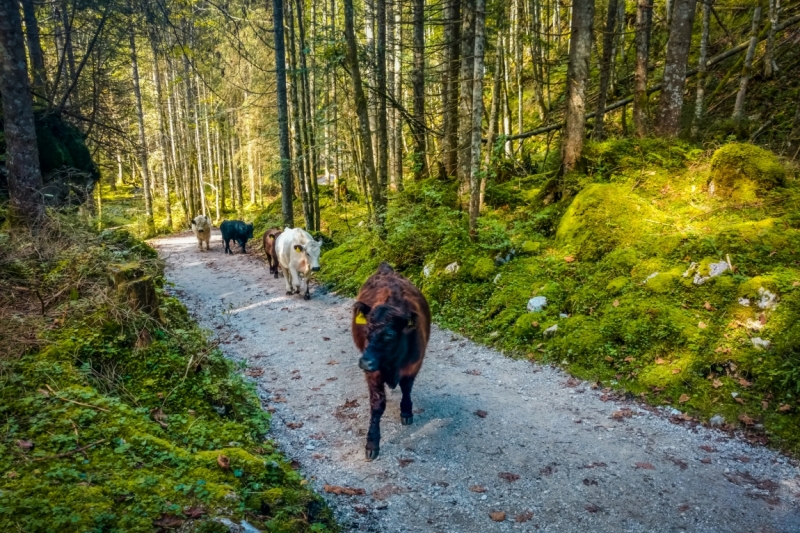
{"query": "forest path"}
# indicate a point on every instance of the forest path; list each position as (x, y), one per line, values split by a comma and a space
(578, 469)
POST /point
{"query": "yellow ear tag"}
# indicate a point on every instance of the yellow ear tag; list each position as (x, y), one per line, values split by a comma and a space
(272, 237)
(361, 319)
(410, 324)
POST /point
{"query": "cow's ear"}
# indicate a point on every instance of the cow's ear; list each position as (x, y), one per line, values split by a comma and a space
(360, 312)
(298, 248)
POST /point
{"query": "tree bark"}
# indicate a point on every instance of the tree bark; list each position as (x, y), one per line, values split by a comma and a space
(747, 70)
(605, 68)
(142, 148)
(477, 118)
(450, 84)
(494, 112)
(398, 92)
(34, 47)
(644, 16)
(769, 54)
(794, 136)
(418, 90)
(670, 103)
(465, 101)
(162, 129)
(351, 56)
(702, 67)
(22, 154)
(287, 192)
(580, 49)
(382, 136)
(309, 121)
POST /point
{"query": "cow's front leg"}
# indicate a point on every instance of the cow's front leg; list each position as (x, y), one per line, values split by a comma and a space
(295, 279)
(406, 407)
(242, 243)
(306, 295)
(377, 404)
(287, 278)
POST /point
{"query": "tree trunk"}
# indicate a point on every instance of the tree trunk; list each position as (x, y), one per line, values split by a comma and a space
(702, 67)
(309, 123)
(605, 68)
(670, 103)
(491, 135)
(794, 136)
(382, 136)
(283, 115)
(465, 102)
(769, 54)
(22, 154)
(747, 70)
(148, 199)
(34, 48)
(162, 129)
(398, 91)
(351, 56)
(580, 48)
(477, 118)
(418, 89)
(644, 17)
(450, 84)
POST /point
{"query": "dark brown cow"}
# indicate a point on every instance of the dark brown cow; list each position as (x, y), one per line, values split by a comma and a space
(269, 248)
(391, 328)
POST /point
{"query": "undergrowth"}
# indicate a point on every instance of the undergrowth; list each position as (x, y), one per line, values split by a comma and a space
(121, 420)
(625, 260)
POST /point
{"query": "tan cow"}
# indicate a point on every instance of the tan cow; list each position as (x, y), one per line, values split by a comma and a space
(201, 225)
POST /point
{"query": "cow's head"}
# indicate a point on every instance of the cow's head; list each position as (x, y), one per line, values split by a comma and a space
(388, 329)
(311, 250)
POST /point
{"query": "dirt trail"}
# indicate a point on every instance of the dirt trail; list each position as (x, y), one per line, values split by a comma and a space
(544, 450)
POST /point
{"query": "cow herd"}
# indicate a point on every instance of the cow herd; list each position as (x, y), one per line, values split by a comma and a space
(390, 323)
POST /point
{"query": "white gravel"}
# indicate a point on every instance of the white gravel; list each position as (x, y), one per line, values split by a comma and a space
(576, 466)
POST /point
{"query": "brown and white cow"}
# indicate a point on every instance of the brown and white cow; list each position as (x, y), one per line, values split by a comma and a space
(391, 327)
(201, 225)
(269, 249)
(298, 256)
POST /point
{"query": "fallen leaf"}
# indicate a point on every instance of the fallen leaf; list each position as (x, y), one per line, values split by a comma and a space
(569, 259)
(473, 372)
(477, 488)
(706, 460)
(716, 384)
(615, 303)
(44, 393)
(764, 404)
(702, 325)
(660, 361)
(168, 521)
(223, 462)
(343, 491)
(708, 306)
(481, 414)
(11, 474)
(498, 516)
(676, 370)
(785, 408)
(622, 413)
(629, 359)
(294, 425)
(332, 379)
(348, 404)
(524, 517)
(592, 508)
(609, 359)
(744, 383)
(326, 338)
(739, 400)
(684, 398)
(333, 362)
(549, 470)
(283, 329)
(645, 466)
(254, 372)
(360, 509)
(508, 476)
(24, 445)
(679, 463)
(404, 462)
(194, 512)
(743, 459)
(588, 482)
(707, 448)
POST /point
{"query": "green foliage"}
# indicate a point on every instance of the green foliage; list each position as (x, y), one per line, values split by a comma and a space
(619, 278)
(123, 431)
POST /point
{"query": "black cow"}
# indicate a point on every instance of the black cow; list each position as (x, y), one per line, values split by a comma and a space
(236, 230)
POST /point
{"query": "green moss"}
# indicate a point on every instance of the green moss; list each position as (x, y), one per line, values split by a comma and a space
(483, 269)
(616, 285)
(603, 217)
(745, 171)
(531, 247)
(664, 282)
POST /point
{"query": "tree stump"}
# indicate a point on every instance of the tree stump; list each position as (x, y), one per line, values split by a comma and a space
(133, 288)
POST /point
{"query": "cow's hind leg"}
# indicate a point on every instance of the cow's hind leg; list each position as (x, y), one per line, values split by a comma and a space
(377, 404)
(406, 407)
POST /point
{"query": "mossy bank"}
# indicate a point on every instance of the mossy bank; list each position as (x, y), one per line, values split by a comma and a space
(119, 413)
(666, 270)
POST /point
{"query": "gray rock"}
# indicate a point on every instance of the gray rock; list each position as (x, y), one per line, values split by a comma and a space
(744, 301)
(550, 331)
(452, 268)
(717, 421)
(767, 300)
(761, 344)
(536, 304)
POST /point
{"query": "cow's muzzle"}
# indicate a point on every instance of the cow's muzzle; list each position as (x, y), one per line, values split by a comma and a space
(315, 269)
(368, 364)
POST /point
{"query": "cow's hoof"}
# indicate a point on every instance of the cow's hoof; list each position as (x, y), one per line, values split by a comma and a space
(306, 296)
(371, 455)
(289, 293)
(406, 420)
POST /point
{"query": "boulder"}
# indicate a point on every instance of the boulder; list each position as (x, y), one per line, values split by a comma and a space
(743, 172)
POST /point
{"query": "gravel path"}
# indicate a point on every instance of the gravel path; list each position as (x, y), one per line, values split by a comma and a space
(491, 434)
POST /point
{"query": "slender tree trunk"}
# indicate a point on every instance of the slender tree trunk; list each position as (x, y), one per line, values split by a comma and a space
(491, 135)
(465, 102)
(142, 148)
(769, 53)
(450, 85)
(34, 48)
(701, 68)
(397, 140)
(747, 70)
(670, 103)
(794, 136)
(351, 57)
(477, 118)
(162, 129)
(382, 136)
(199, 150)
(605, 68)
(22, 153)
(644, 17)
(418, 86)
(310, 123)
(580, 48)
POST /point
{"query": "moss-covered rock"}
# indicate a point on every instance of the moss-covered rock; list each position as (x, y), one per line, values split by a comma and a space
(603, 217)
(744, 172)
(483, 269)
